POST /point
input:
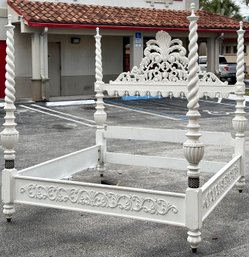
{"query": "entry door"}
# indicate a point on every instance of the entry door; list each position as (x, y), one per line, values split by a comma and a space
(2, 67)
(54, 69)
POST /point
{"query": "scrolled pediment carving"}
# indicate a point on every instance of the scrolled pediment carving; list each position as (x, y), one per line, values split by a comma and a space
(164, 61)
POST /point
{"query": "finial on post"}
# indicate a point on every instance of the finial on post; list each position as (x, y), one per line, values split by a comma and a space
(192, 7)
(9, 19)
(241, 25)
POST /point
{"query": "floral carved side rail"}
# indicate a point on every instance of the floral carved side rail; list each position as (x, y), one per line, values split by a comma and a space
(143, 204)
(217, 187)
(93, 198)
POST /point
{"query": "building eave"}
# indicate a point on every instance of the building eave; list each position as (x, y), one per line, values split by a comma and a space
(115, 27)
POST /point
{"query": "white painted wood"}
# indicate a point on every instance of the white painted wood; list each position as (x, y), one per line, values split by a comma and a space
(100, 115)
(193, 147)
(64, 166)
(193, 211)
(9, 136)
(165, 89)
(215, 189)
(166, 135)
(149, 205)
(165, 70)
(159, 162)
(240, 121)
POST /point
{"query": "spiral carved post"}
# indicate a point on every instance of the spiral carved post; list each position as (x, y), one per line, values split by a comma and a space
(100, 114)
(239, 121)
(193, 148)
(9, 136)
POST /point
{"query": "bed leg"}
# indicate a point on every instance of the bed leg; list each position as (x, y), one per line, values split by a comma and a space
(101, 169)
(194, 239)
(8, 211)
(241, 184)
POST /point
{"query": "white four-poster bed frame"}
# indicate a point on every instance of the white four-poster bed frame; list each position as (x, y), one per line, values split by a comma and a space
(165, 70)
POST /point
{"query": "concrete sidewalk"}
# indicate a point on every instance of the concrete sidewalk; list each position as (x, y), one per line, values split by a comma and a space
(44, 232)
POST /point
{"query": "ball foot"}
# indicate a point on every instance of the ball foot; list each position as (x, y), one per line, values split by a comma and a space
(194, 239)
(101, 175)
(240, 191)
(8, 211)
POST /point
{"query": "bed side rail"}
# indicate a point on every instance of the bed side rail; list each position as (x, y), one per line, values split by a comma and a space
(159, 162)
(215, 189)
(166, 135)
(64, 166)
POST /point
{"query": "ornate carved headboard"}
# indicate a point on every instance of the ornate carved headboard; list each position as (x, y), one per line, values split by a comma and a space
(164, 71)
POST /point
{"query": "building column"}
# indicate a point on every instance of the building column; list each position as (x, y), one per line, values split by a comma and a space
(136, 49)
(44, 64)
(36, 77)
(213, 53)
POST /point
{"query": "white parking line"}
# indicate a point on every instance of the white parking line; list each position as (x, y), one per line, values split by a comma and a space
(62, 113)
(57, 116)
(144, 112)
(233, 105)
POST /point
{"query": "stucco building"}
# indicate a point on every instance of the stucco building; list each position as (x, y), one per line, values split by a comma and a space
(55, 47)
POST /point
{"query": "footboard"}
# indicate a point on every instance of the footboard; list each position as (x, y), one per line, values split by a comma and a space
(215, 189)
(157, 206)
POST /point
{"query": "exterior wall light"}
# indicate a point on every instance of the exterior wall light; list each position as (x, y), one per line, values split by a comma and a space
(75, 40)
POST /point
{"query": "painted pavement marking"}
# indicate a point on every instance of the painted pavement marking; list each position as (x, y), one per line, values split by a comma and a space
(62, 113)
(58, 116)
(141, 111)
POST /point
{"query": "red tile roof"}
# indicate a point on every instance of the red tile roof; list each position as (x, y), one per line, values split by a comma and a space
(57, 14)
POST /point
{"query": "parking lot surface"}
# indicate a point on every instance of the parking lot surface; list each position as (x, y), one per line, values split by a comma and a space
(48, 132)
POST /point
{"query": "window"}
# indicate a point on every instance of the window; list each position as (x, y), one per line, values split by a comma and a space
(234, 49)
(228, 50)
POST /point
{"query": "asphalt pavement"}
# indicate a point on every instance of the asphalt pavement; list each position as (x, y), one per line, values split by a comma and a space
(48, 132)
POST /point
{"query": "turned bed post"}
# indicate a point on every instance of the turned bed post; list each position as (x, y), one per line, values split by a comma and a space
(240, 121)
(100, 114)
(9, 136)
(193, 148)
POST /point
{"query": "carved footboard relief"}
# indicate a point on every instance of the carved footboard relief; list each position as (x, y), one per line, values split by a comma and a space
(163, 207)
(215, 189)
